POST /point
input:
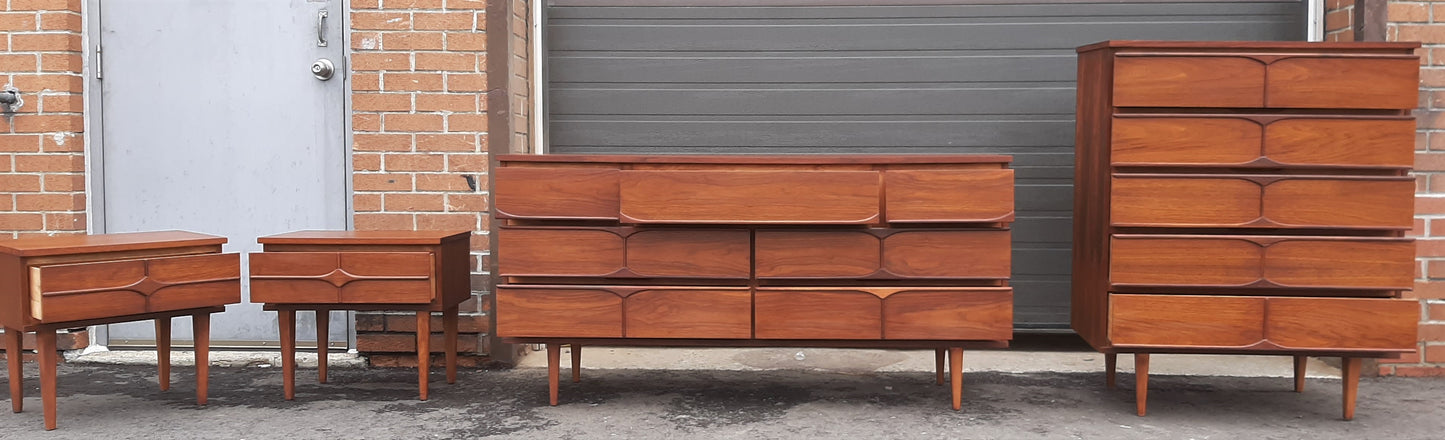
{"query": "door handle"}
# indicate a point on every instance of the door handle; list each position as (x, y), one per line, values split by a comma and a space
(321, 28)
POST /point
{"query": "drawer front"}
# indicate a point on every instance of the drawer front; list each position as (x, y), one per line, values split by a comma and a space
(342, 277)
(949, 314)
(1343, 323)
(1188, 81)
(803, 313)
(1264, 323)
(1153, 200)
(556, 193)
(1189, 321)
(883, 254)
(767, 197)
(1263, 142)
(623, 252)
(1263, 261)
(949, 196)
(1367, 83)
(71, 292)
(558, 311)
(690, 313)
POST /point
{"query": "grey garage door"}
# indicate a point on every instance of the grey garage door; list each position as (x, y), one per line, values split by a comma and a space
(671, 76)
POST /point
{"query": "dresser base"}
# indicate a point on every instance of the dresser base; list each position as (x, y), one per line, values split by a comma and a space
(952, 349)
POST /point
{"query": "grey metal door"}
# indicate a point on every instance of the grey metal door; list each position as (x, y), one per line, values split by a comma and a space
(884, 78)
(212, 121)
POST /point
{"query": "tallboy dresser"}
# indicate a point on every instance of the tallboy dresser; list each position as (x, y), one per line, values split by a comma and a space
(1248, 198)
(69, 281)
(830, 251)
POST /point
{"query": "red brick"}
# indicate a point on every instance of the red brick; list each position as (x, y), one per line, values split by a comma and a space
(1405, 371)
(17, 21)
(370, 322)
(409, 361)
(466, 82)
(426, 82)
(446, 142)
(366, 202)
(45, 5)
(1429, 205)
(406, 342)
(1435, 268)
(27, 221)
(22, 62)
(1419, 228)
(366, 122)
(1406, 12)
(479, 203)
(1435, 312)
(71, 163)
(381, 142)
(365, 4)
(472, 122)
(1430, 161)
(63, 221)
(466, 4)
(7, 203)
(1432, 332)
(408, 122)
(465, 323)
(455, 21)
(444, 182)
(1435, 353)
(372, 61)
(48, 123)
(1427, 290)
(1430, 247)
(436, 102)
(19, 143)
(365, 82)
(466, 41)
(13, 183)
(1335, 20)
(50, 202)
(363, 41)
(54, 82)
(448, 61)
(381, 182)
(413, 162)
(408, 202)
(381, 102)
(414, 4)
(62, 103)
(1406, 358)
(412, 41)
(467, 163)
(379, 221)
(365, 162)
(48, 42)
(1431, 77)
(378, 20)
(452, 221)
(60, 21)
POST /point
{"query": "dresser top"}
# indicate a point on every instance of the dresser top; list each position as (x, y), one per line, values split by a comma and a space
(1253, 45)
(763, 159)
(364, 237)
(85, 243)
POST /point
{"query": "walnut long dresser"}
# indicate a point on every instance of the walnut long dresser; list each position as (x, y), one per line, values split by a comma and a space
(1247, 198)
(793, 251)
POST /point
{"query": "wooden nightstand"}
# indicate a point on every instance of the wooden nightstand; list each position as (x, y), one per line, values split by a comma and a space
(422, 271)
(71, 281)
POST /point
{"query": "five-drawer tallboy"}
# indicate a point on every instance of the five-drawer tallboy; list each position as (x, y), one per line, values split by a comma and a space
(832, 251)
(1248, 198)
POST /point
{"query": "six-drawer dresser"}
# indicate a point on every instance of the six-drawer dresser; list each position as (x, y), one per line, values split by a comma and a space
(1248, 198)
(831, 251)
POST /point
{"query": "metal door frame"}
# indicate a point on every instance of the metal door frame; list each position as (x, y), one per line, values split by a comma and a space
(92, 105)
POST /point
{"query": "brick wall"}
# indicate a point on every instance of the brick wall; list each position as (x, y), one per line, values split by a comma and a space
(420, 145)
(1425, 22)
(1339, 20)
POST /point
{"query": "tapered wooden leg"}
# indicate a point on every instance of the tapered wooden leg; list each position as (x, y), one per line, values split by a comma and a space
(955, 372)
(554, 357)
(201, 334)
(323, 327)
(287, 318)
(576, 363)
(938, 370)
(1352, 384)
(1111, 366)
(449, 327)
(1299, 373)
(423, 350)
(1141, 382)
(14, 356)
(163, 351)
(45, 348)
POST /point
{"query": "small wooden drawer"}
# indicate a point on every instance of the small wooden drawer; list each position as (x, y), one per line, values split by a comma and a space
(689, 313)
(558, 311)
(899, 313)
(556, 193)
(949, 196)
(758, 197)
(1264, 323)
(1263, 141)
(108, 289)
(1262, 261)
(343, 277)
(883, 254)
(1262, 201)
(623, 252)
(1242, 81)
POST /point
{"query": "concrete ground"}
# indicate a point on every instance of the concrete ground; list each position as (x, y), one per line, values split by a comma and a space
(1028, 392)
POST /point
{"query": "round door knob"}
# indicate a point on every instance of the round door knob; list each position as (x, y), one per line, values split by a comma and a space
(323, 69)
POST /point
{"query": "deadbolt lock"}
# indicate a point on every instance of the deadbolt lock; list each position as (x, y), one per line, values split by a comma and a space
(323, 69)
